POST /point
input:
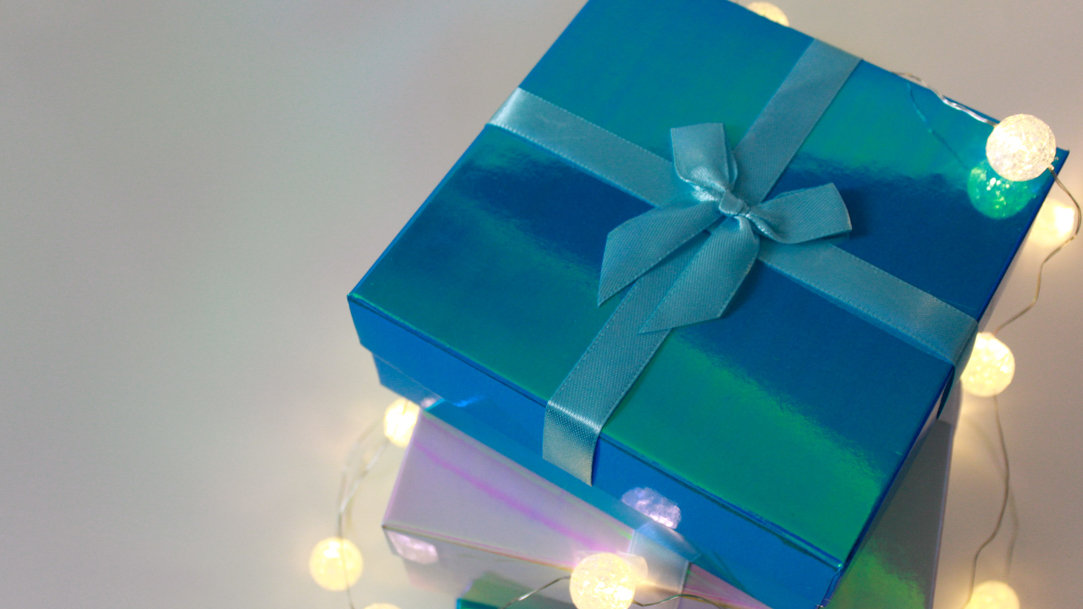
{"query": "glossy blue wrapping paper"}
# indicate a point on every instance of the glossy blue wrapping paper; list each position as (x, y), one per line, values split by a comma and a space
(778, 429)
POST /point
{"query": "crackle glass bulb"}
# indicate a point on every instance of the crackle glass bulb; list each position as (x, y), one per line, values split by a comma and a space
(768, 11)
(1021, 147)
(335, 563)
(990, 368)
(399, 420)
(1054, 223)
(603, 581)
(993, 594)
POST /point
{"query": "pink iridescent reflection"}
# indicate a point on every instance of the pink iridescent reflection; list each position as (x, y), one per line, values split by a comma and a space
(650, 503)
(413, 549)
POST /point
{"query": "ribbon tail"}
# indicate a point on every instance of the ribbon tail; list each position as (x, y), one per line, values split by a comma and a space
(639, 244)
(802, 215)
(606, 371)
(708, 283)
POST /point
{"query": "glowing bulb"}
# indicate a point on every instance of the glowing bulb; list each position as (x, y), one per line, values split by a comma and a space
(993, 594)
(1054, 223)
(603, 581)
(991, 367)
(768, 11)
(1021, 147)
(399, 420)
(335, 563)
(381, 606)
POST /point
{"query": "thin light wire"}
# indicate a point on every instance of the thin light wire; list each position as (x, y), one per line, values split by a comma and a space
(1041, 267)
(1015, 535)
(947, 102)
(1005, 499)
(694, 597)
(526, 595)
(360, 460)
(929, 127)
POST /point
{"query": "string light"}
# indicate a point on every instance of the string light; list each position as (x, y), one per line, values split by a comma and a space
(603, 581)
(1054, 224)
(335, 563)
(399, 420)
(768, 11)
(1021, 147)
(990, 368)
(993, 594)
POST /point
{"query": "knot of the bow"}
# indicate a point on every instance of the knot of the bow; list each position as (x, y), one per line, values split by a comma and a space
(730, 204)
(704, 288)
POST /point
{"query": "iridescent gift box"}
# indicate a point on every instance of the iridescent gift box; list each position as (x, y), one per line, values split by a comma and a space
(778, 428)
(468, 521)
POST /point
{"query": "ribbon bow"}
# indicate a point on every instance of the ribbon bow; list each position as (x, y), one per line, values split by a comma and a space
(704, 288)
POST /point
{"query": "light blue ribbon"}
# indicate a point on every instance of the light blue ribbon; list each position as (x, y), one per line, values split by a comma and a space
(682, 263)
(706, 285)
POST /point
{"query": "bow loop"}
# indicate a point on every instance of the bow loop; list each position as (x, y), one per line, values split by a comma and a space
(705, 287)
(802, 215)
(702, 157)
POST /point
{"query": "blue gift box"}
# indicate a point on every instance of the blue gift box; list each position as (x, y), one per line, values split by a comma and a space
(777, 429)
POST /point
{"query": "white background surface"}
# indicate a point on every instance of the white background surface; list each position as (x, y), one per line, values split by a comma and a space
(189, 189)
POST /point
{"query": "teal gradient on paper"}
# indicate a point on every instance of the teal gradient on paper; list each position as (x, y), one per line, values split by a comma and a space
(780, 428)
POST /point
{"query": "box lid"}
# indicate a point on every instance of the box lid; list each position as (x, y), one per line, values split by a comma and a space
(790, 409)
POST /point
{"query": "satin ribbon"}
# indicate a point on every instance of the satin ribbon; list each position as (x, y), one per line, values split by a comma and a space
(682, 263)
(705, 286)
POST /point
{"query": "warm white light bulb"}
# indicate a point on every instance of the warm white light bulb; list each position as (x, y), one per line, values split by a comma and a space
(1021, 147)
(399, 420)
(768, 11)
(990, 368)
(993, 594)
(1054, 223)
(335, 563)
(603, 581)
(381, 606)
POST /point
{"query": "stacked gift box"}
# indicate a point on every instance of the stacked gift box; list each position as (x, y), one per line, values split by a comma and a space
(702, 255)
(468, 521)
